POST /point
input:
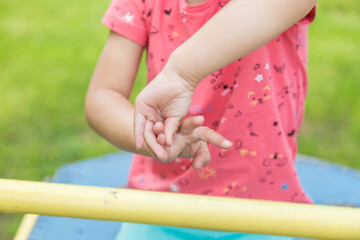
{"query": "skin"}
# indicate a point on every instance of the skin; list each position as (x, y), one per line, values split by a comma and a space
(110, 113)
(194, 2)
(258, 22)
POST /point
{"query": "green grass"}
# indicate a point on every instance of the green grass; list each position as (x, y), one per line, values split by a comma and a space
(48, 50)
(332, 121)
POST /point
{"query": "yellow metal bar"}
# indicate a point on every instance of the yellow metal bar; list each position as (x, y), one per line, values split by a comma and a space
(182, 210)
(26, 226)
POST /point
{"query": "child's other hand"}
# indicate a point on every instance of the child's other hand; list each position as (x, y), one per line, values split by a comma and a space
(190, 141)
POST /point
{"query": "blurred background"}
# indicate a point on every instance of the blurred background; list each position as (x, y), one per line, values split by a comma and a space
(48, 50)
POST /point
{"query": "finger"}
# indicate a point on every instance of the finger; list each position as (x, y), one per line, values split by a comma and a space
(151, 141)
(202, 156)
(161, 139)
(171, 127)
(151, 152)
(158, 128)
(139, 126)
(208, 135)
(190, 123)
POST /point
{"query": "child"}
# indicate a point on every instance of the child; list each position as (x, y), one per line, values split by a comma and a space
(248, 90)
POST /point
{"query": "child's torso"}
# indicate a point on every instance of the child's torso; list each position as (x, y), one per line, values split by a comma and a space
(257, 102)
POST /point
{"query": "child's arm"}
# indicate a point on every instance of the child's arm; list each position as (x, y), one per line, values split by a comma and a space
(110, 113)
(107, 108)
(239, 28)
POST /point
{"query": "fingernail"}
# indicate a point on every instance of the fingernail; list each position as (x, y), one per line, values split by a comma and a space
(227, 143)
(199, 166)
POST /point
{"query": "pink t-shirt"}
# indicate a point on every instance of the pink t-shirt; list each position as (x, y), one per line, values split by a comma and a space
(257, 102)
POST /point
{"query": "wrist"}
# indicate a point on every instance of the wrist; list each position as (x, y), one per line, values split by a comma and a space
(180, 67)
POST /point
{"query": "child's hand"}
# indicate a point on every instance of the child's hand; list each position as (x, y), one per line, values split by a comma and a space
(190, 141)
(165, 99)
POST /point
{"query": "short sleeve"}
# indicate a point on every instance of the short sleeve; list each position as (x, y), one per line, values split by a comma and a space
(309, 18)
(125, 18)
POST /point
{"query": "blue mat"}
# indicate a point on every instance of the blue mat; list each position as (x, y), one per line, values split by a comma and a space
(326, 183)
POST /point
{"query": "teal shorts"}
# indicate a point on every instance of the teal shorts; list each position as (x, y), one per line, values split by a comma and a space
(137, 231)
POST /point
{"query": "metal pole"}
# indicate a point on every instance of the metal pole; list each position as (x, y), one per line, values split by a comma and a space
(182, 210)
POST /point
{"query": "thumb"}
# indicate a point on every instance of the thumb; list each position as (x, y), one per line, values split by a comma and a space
(171, 127)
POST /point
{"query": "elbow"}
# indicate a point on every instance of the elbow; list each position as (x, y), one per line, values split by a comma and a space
(311, 4)
(305, 7)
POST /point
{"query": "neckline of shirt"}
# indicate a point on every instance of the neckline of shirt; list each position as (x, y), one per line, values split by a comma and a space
(195, 7)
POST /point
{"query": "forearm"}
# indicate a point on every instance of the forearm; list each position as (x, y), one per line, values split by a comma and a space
(241, 27)
(111, 115)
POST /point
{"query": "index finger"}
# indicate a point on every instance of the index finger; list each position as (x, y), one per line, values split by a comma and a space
(208, 135)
